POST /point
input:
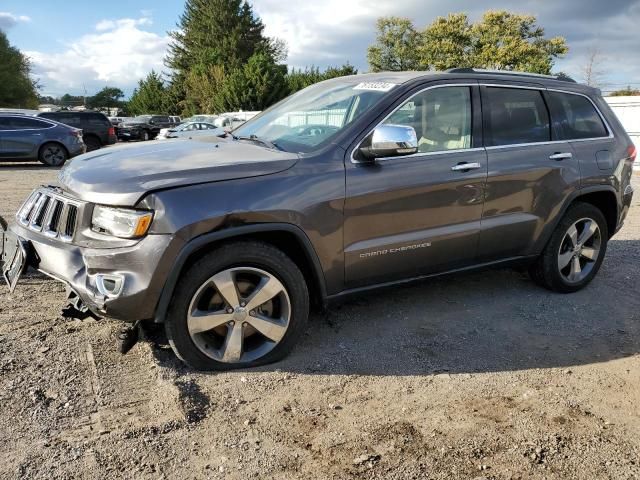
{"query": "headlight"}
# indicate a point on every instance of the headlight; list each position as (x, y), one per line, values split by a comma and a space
(120, 222)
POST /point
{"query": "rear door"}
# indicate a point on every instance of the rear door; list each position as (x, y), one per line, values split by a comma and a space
(578, 121)
(531, 171)
(418, 214)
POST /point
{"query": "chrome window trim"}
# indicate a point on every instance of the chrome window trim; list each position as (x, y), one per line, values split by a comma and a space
(493, 147)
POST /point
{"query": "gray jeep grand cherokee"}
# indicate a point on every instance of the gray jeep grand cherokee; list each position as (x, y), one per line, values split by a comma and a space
(351, 184)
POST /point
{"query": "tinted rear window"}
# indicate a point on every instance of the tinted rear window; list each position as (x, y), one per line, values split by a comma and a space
(78, 119)
(516, 116)
(576, 117)
(72, 119)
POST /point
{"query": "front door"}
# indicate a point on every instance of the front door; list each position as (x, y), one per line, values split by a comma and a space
(418, 214)
(20, 136)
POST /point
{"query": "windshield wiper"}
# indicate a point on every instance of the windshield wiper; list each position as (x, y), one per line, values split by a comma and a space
(258, 140)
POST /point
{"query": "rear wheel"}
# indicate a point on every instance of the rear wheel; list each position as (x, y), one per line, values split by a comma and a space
(92, 143)
(53, 154)
(144, 135)
(243, 305)
(575, 252)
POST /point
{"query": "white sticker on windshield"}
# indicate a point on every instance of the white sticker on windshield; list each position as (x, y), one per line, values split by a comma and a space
(378, 86)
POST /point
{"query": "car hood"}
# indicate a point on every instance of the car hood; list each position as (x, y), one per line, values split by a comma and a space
(121, 175)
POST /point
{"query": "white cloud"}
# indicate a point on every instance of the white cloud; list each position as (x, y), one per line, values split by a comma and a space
(336, 31)
(118, 54)
(9, 20)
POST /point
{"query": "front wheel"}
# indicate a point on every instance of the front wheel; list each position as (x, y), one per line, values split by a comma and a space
(575, 252)
(242, 305)
(144, 136)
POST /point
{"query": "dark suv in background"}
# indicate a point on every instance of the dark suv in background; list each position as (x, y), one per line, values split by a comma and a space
(348, 185)
(97, 130)
(26, 138)
(144, 127)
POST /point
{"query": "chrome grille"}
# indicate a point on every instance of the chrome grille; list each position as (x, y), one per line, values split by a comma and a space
(52, 214)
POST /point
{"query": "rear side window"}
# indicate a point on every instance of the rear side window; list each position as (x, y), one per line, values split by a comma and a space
(19, 123)
(515, 116)
(575, 117)
(72, 119)
(98, 120)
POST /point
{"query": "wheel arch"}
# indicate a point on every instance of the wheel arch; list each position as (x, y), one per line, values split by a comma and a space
(287, 237)
(605, 201)
(93, 135)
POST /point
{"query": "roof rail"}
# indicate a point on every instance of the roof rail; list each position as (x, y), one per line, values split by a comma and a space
(561, 77)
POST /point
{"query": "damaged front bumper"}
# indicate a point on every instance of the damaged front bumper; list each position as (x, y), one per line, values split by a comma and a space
(124, 283)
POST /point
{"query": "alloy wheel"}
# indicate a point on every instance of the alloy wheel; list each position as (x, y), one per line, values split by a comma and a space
(239, 315)
(579, 250)
(53, 155)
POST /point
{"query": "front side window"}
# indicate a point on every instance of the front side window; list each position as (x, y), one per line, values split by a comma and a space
(515, 116)
(440, 116)
(310, 118)
(576, 116)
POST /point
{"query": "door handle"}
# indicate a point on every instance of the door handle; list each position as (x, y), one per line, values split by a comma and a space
(463, 167)
(560, 156)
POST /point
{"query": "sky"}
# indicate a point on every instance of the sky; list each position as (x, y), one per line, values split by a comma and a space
(79, 47)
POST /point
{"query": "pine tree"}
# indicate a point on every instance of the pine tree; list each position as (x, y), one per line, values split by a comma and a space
(217, 32)
(150, 96)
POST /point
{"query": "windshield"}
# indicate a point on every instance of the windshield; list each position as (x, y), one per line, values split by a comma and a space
(308, 119)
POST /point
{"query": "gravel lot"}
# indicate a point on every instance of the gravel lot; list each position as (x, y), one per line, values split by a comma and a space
(479, 376)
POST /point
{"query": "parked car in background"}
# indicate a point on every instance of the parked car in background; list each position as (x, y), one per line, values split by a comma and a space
(238, 118)
(190, 130)
(27, 138)
(97, 130)
(115, 121)
(144, 127)
(175, 119)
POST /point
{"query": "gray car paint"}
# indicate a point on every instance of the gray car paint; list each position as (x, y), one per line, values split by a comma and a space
(334, 208)
(25, 144)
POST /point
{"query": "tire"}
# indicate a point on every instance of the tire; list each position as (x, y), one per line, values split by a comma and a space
(144, 136)
(198, 291)
(581, 251)
(92, 143)
(53, 154)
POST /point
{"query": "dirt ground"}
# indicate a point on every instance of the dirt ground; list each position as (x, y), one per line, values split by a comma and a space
(477, 376)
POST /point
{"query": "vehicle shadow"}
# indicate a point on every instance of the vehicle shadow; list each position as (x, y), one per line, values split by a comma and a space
(21, 166)
(489, 321)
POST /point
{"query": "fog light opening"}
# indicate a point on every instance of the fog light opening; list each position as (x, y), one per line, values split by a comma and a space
(109, 285)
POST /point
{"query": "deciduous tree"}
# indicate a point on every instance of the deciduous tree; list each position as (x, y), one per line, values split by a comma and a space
(17, 88)
(396, 45)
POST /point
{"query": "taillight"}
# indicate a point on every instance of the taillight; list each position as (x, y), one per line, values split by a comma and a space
(633, 152)
(75, 133)
(112, 131)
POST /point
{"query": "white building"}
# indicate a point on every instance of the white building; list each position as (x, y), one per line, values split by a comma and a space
(627, 109)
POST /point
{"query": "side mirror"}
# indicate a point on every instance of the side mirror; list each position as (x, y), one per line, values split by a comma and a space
(390, 141)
